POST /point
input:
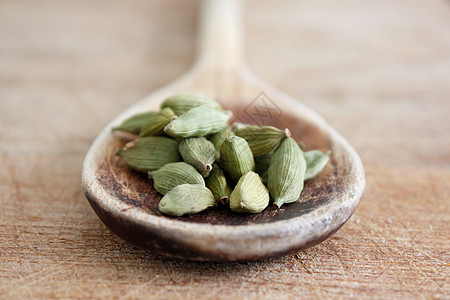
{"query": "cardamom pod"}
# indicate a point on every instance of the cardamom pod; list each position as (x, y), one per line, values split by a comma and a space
(199, 121)
(173, 174)
(262, 139)
(250, 195)
(286, 173)
(186, 199)
(134, 123)
(181, 103)
(218, 138)
(198, 152)
(156, 124)
(150, 153)
(236, 157)
(217, 184)
(315, 162)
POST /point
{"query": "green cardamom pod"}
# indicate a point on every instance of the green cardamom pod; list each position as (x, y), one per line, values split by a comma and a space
(262, 139)
(186, 199)
(218, 138)
(181, 103)
(236, 157)
(150, 153)
(286, 173)
(217, 183)
(199, 121)
(173, 174)
(250, 195)
(198, 152)
(315, 162)
(156, 124)
(134, 123)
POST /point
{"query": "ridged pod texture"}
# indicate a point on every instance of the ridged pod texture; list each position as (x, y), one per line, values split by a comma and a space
(199, 121)
(315, 162)
(134, 123)
(218, 138)
(174, 174)
(150, 153)
(286, 173)
(262, 139)
(181, 103)
(186, 199)
(156, 124)
(198, 152)
(250, 195)
(217, 183)
(236, 158)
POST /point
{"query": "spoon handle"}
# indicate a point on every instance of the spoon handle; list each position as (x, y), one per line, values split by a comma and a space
(220, 35)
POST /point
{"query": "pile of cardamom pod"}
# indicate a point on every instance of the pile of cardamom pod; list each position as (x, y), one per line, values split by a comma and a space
(197, 160)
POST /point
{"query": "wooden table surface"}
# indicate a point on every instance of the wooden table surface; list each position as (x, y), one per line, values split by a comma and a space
(378, 71)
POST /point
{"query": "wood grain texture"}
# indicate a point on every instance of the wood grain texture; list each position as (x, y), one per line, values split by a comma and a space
(377, 71)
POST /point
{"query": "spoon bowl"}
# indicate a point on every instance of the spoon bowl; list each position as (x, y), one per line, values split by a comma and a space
(127, 203)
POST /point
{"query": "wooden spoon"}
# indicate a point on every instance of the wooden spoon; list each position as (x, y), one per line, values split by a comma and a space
(127, 203)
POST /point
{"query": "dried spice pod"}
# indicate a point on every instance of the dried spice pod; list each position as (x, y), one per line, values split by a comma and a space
(173, 174)
(181, 103)
(218, 138)
(315, 162)
(156, 124)
(236, 157)
(134, 123)
(198, 152)
(150, 153)
(250, 195)
(286, 173)
(217, 183)
(199, 121)
(262, 139)
(186, 199)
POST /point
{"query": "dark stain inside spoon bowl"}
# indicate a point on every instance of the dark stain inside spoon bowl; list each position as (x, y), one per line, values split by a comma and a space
(135, 189)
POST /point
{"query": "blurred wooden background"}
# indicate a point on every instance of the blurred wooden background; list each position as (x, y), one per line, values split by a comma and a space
(378, 71)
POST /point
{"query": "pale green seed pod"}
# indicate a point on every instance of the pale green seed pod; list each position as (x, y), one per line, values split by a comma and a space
(250, 195)
(181, 103)
(150, 153)
(134, 123)
(217, 184)
(198, 152)
(286, 173)
(236, 158)
(315, 162)
(199, 121)
(186, 199)
(218, 138)
(156, 124)
(262, 139)
(173, 174)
